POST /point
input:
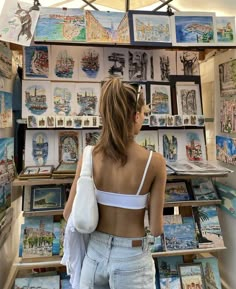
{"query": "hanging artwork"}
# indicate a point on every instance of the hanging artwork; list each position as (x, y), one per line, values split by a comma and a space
(160, 99)
(226, 149)
(193, 28)
(63, 97)
(165, 64)
(140, 65)
(36, 98)
(188, 63)
(5, 60)
(227, 78)
(40, 148)
(5, 109)
(65, 64)
(107, 27)
(90, 63)
(7, 156)
(36, 62)
(225, 29)
(18, 21)
(60, 24)
(87, 98)
(90, 137)
(181, 144)
(116, 62)
(148, 140)
(228, 116)
(188, 99)
(150, 28)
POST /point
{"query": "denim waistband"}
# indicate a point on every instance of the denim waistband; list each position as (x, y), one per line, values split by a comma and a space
(119, 241)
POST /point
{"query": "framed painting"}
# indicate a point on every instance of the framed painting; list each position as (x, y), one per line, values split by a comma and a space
(187, 62)
(225, 29)
(226, 149)
(5, 60)
(5, 109)
(116, 62)
(149, 28)
(193, 29)
(148, 140)
(36, 98)
(68, 146)
(188, 99)
(107, 27)
(203, 189)
(165, 64)
(36, 60)
(47, 198)
(87, 98)
(176, 191)
(90, 137)
(60, 25)
(227, 78)
(7, 156)
(91, 64)
(172, 282)
(66, 168)
(64, 63)
(36, 172)
(160, 99)
(191, 275)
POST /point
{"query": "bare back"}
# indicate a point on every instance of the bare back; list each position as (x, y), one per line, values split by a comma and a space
(111, 177)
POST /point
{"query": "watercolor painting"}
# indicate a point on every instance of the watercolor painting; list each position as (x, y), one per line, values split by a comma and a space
(7, 156)
(107, 27)
(90, 63)
(227, 77)
(170, 283)
(168, 266)
(36, 62)
(59, 24)
(5, 109)
(63, 95)
(191, 276)
(194, 146)
(90, 137)
(5, 60)
(165, 64)
(226, 149)
(65, 64)
(150, 27)
(160, 99)
(5, 197)
(187, 62)
(148, 140)
(36, 99)
(188, 99)
(38, 282)
(228, 116)
(18, 21)
(225, 29)
(140, 65)
(69, 146)
(193, 28)
(176, 191)
(87, 98)
(203, 189)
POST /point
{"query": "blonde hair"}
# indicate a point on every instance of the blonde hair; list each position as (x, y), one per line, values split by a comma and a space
(118, 105)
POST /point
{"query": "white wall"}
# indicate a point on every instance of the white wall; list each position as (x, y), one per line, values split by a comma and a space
(210, 80)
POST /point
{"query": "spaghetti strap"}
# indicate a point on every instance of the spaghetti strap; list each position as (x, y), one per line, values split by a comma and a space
(145, 172)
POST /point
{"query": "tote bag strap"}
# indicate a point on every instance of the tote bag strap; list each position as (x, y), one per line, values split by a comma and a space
(87, 169)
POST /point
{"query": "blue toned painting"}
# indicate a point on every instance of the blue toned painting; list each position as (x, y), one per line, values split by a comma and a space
(46, 282)
(5, 109)
(58, 24)
(170, 283)
(168, 266)
(40, 148)
(226, 149)
(225, 28)
(194, 29)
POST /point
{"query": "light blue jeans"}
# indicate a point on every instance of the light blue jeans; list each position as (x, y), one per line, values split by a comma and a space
(117, 263)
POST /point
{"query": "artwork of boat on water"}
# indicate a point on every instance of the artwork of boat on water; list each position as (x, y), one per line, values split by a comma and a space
(36, 62)
(58, 24)
(64, 65)
(35, 98)
(110, 27)
(87, 99)
(62, 98)
(194, 28)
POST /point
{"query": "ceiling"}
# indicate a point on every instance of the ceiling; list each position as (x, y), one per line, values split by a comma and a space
(221, 7)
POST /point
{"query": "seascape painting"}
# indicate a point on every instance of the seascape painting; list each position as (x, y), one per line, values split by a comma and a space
(59, 24)
(191, 276)
(225, 29)
(227, 78)
(176, 192)
(36, 98)
(107, 27)
(5, 109)
(160, 99)
(193, 29)
(36, 62)
(226, 149)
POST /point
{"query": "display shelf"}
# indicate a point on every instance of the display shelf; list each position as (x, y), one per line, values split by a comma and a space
(186, 252)
(43, 213)
(35, 182)
(192, 203)
(42, 262)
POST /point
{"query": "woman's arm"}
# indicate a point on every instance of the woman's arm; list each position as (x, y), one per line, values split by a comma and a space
(70, 200)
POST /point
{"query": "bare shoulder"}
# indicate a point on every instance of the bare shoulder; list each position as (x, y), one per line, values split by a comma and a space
(158, 161)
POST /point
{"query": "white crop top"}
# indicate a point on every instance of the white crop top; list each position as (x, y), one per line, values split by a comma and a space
(126, 201)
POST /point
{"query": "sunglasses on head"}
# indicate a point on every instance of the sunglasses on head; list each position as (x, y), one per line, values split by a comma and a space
(138, 88)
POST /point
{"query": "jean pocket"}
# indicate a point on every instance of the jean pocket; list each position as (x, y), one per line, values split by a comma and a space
(88, 273)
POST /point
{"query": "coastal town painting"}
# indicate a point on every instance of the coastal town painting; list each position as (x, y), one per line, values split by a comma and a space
(36, 98)
(149, 28)
(5, 109)
(193, 29)
(36, 62)
(176, 192)
(107, 27)
(59, 24)
(225, 29)
(226, 149)
(160, 99)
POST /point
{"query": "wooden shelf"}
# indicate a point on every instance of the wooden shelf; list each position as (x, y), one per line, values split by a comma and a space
(35, 182)
(182, 177)
(192, 203)
(30, 263)
(43, 213)
(186, 252)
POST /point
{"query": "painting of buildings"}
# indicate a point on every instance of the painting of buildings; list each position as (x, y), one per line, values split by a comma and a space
(5, 109)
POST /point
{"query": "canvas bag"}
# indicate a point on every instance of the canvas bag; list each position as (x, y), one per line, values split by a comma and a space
(85, 209)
